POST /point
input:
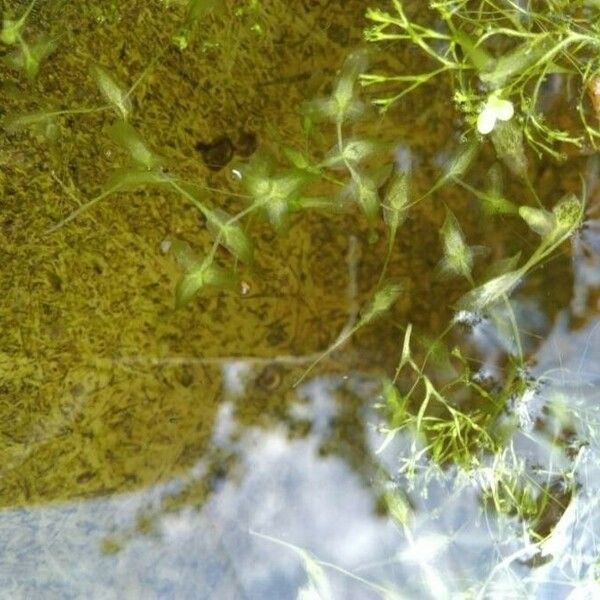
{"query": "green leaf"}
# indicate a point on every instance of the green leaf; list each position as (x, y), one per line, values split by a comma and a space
(458, 165)
(123, 134)
(502, 266)
(274, 194)
(568, 215)
(478, 56)
(381, 302)
(230, 235)
(517, 61)
(184, 255)
(398, 506)
(316, 203)
(539, 220)
(29, 57)
(199, 276)
(318, 584)
(396, 200)
(507, 138)
(353, 152)
(197, 9)
(366, 195)
(494, 201)
(300, 161)
(342, 105)
(343, 95)
(112, 91)
(458, 257)
(134, 179)
(492, 291)
(11, 28)
(43, 123)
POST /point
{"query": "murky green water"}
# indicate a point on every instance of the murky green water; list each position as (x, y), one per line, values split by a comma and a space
(143, 448)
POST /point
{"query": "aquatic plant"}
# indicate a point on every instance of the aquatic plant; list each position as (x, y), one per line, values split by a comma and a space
(500, 60)
(29, 55)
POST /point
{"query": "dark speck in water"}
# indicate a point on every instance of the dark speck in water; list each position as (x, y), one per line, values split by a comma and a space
(217, 153)
(246, 144)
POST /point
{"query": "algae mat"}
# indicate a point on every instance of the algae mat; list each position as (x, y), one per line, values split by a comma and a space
(104, 386)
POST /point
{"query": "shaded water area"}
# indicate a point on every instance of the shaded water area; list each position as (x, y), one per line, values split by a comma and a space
(150, 452)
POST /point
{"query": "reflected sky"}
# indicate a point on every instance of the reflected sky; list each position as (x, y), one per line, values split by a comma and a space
(172, 540)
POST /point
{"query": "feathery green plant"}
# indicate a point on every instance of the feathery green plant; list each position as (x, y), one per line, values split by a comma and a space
(498, 57)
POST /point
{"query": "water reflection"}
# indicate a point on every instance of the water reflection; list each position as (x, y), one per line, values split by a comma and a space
(190, 536)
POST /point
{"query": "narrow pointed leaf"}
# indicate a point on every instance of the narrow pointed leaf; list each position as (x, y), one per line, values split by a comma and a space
(458, 165)
(133, 179)
(492, 291)
(367, 197)
(184, 255)
(458, 257)
(507, 138)
(112, 91)
(12, 123)
(478, 56)
(188, 286)
(381, 302)
(517, 61)
(502, 266)
(200, 276)
(230, 235)
(123, 134)
(354, 152)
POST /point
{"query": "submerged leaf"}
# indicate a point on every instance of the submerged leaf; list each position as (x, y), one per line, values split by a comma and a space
(517, 61)
(492, 291)
(112, 91)
(507, 138)
(353, 152)
(199, 8)
(230, 235)
(458, 257)
(134, 178)
(300, 161)
(366, 195)
(341, 105)
(343, 96)
(568, 215)
(123, 134)
(502, 266)
(275, 194)
(539, 220)
(43, 123)
(318, 587)
(200, 275)
(396, 201)
(381, 302)
(458, 165)
(11, 28)
(494, 201)
(478, 56)
(184, 255)
(398, 506)
(316, 203)
(29, 57)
